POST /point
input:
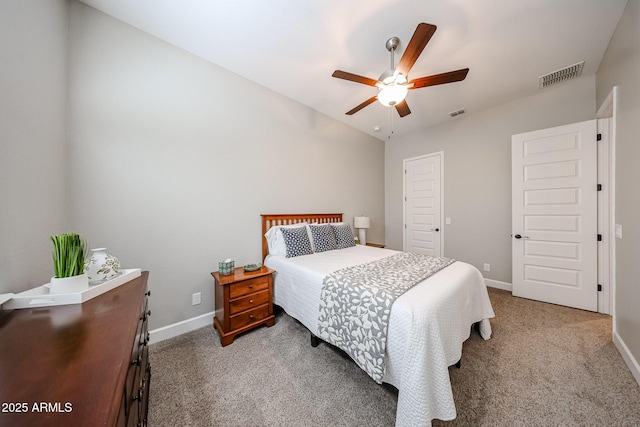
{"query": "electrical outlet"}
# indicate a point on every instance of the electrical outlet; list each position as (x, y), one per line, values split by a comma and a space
(487, 267)
(447, 221)
(618, 231)
(196, 298)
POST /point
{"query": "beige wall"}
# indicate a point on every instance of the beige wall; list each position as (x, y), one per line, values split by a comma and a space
(477, 165)
(33, 76)
(621, 67)
(173, 159)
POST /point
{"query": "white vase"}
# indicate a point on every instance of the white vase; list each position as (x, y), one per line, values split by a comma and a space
(101, 266)
(65, 285)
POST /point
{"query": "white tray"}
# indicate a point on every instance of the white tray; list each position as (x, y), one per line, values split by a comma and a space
(40, 296)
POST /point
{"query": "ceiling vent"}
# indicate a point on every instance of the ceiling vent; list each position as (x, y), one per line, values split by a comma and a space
(566, 73)
(457, 112)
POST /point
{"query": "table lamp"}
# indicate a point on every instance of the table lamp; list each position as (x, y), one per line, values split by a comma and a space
(362, 223)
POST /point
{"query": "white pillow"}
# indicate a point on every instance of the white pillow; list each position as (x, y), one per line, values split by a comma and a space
(275, 241)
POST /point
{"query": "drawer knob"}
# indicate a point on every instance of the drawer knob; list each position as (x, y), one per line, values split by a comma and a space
(251, 316)
(144, 340)
(250, 286)
(136, 361)
(250, 301)
(148, 293)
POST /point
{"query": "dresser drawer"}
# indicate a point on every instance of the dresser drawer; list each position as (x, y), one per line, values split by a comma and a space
(248, 286)
(248, 317)
(252, 300)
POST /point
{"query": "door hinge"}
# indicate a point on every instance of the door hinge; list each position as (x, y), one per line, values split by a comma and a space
(405, 226)
(599, 287)
(405, 171)
(599, 137)
(599, 187)
(405, 198)
(599, 237)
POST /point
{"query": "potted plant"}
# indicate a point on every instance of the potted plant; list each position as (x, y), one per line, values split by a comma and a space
(69, 253)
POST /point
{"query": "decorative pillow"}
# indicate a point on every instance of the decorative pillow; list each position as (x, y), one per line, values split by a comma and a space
(324, 239)
(296, 241)
(275, 241)
(344, 235)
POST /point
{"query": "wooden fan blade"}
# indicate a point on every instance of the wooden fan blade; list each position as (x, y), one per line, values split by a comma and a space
(354, 78)
(361, 106)
(418, 41)
(403, 108)
(439, 79)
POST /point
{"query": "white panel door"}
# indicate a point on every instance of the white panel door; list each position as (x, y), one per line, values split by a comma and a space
(423, 205)
(554, 215)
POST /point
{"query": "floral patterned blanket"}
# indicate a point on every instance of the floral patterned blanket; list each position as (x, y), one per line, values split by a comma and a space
(356, 301)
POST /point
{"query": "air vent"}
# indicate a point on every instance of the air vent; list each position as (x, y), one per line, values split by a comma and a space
(457, 112)
(566, 73)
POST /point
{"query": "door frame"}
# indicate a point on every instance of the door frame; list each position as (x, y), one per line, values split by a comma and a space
(606, 206)
(440, 155)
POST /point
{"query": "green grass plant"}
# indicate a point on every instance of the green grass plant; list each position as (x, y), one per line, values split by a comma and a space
(69, 253)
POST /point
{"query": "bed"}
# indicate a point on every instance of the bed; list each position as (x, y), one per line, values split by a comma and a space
(426, 327)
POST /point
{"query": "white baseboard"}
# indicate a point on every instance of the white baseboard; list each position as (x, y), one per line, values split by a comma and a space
(500, 285)
(631, 362)
(180, 328)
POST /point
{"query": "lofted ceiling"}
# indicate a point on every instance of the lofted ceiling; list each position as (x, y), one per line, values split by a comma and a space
(293, 47)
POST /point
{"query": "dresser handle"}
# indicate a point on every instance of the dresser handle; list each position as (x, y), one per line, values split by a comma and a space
(136, 361)
(144, 339)
(145, 315)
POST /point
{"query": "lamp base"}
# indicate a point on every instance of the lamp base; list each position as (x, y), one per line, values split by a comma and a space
(362, 234)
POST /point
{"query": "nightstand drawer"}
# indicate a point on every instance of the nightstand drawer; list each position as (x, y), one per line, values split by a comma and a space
(249, 301)
(248, 317)
(248, 286)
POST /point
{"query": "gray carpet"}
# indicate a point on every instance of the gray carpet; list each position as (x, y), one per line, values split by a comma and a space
(545, 365)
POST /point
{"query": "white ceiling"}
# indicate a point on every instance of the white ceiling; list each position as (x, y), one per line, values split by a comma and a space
(293, 46)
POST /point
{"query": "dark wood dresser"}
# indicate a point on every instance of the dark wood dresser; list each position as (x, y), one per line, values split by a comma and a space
(77, 365)
(243, 302)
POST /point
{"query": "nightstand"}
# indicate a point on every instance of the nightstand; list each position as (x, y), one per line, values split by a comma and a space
(243, 302)
(375, 245)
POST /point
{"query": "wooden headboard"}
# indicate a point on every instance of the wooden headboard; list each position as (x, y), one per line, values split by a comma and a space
(269, 220)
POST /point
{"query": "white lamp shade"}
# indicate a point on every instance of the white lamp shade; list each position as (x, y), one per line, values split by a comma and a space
(361, 222)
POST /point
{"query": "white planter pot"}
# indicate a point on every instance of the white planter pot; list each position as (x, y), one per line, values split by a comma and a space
(65, 285)
(101, 266)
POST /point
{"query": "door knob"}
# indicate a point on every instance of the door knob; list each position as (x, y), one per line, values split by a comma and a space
(518, 236)
(435, 229)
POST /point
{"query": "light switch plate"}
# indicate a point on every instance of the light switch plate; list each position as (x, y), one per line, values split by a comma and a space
(619, 231)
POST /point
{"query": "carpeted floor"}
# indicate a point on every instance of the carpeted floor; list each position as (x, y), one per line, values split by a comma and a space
(545, 365)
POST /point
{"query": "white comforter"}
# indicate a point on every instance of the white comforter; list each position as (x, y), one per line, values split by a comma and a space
(427, 326)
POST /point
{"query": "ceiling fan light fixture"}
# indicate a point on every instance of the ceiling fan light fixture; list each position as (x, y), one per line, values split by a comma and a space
(391, 95)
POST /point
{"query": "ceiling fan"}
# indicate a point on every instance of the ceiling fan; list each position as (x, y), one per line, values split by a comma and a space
(394, 84)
